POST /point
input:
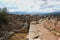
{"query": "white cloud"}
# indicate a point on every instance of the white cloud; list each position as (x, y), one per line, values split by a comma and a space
(31, 5)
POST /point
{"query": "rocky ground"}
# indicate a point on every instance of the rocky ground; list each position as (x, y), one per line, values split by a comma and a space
(45, 29)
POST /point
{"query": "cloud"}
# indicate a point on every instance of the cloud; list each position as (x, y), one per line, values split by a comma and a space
(31, 5)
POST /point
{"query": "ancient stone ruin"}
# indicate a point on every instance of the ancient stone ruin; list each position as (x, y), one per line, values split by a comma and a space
(44, 29)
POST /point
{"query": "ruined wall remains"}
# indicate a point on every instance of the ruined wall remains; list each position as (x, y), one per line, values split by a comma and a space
(47, 29)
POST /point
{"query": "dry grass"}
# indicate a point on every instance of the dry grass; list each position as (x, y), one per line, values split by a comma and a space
(19, 36)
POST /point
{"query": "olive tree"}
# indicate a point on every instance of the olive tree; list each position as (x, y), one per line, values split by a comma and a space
(4, 18)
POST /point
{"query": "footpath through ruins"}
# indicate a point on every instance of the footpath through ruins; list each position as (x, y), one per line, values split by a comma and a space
(38, 31)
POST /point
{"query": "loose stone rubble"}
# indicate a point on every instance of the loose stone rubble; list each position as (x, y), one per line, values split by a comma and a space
(4, 35)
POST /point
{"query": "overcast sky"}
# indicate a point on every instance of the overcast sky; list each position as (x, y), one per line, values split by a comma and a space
(31, 5)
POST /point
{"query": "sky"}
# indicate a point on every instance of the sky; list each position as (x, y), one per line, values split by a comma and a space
(31, 5)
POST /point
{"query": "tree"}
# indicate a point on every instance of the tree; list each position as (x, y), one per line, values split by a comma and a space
(4, 18)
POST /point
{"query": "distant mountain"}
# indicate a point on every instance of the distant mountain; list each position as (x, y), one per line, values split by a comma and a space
(45, 13)
(17, 12)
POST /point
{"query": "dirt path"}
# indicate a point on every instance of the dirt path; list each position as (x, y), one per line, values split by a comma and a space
(45, 34)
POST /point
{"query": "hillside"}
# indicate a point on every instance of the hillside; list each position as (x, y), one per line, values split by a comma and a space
(20, 24)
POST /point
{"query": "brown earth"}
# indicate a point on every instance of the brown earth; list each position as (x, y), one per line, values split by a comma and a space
(19, 36)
